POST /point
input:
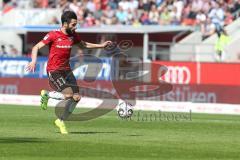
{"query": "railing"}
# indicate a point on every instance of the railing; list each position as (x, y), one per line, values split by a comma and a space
(187, 51)
(159, 49)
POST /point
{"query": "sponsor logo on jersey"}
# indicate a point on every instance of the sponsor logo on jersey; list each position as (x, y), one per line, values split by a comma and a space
(64, 46)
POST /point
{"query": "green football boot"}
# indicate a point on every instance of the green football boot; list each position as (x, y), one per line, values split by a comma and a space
(44, 99)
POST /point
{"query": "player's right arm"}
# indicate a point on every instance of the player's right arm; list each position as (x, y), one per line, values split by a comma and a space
(46, 40)
(31, 66)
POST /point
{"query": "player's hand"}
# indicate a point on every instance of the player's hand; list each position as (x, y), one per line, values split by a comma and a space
(106, 44)
(31, 66)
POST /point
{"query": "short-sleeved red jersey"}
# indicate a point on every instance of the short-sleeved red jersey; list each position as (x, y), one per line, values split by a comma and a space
(60, 46)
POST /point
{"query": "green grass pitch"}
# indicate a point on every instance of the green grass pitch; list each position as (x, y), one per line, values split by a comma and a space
(26, 132)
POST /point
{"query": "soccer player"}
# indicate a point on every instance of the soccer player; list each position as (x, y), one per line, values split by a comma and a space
(60, 75)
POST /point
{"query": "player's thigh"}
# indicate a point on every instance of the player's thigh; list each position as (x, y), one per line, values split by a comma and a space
(57, 80)
(72, 82)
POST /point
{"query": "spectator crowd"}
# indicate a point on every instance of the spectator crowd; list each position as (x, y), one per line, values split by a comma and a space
(8, 50)
(209, 15)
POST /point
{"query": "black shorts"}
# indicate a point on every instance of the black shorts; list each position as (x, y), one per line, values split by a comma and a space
(60, 79)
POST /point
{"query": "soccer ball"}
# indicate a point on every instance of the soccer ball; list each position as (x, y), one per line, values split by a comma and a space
(124, 110)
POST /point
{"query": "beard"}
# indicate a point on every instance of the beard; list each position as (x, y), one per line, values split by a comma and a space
(69, 31)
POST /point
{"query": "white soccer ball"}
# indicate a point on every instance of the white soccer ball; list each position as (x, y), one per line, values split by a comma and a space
(124, 110)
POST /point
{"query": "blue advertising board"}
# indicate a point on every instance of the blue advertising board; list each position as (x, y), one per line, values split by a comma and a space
(90, 67)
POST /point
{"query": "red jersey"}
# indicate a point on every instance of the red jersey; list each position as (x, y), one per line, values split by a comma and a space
(60, 46)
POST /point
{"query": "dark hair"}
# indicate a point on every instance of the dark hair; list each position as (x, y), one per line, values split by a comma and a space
(67, 16)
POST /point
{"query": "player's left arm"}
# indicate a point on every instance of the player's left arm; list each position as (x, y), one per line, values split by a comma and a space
(88, 45)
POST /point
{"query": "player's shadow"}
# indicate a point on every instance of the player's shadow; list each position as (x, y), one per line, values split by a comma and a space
(21, 140)
(135, 135)
(91, 132)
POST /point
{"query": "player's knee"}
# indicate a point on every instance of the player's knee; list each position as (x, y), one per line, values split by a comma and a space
(67, 92)
(68, 96)
(76, 97)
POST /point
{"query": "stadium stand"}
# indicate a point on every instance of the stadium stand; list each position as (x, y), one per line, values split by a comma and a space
(133, 12)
